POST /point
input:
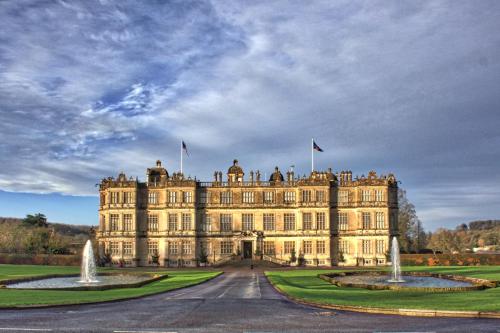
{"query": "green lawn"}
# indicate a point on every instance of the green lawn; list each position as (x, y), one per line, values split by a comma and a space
(10, 297)
(305, 284)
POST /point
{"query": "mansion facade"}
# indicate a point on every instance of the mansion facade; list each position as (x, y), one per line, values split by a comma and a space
(323, 219)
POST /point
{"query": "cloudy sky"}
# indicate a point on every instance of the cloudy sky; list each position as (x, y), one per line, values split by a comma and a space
(92, 88)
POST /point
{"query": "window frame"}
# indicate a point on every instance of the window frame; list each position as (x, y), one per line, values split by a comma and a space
(320, 247)
(307, 246)
(153, 197)
(289, 221)
(309, 221)
(225, 222)
(247, 222)
(127, 222)
(306, 195)
(320, 196)
(248, 197)
(114, 222)
(127, 249)
(269, 248)
(226, 247)
(269, 222)
(226, 197)
(186, 221)
(288, 246)
(187, 196)
(366, 219)
(172, 197)
(343, 221)
(321, 222)
(269, 197)
(153, 222)
(173, 220)
(289, 196)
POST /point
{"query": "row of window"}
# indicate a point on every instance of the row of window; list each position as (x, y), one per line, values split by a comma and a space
(114, 222)
(153, 197)
(172, 197)
(226, 247)
(366, 221)
(366, 196)
(269, 197)
(126, 250)
(247, 197)
(366, 247)
(269, 222)
(175, 248)
(117, 197)
(225, 220)
(269, 247)
(186, 223)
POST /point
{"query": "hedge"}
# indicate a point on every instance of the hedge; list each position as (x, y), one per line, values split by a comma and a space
(40, 259)
(465, 259)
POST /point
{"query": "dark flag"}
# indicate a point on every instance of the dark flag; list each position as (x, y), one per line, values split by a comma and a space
(185, 148)
(316, 147)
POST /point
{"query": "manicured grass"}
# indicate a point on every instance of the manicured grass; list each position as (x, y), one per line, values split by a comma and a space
(11, 297)
(305, 284)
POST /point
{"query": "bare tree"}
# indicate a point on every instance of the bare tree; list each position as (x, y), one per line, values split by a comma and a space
(412, 236)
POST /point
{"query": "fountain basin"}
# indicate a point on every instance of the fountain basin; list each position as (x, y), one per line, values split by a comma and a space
(413, 281)
(71, 281)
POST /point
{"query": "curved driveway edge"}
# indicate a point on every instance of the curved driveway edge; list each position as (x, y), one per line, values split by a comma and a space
(44, 306)
(389, 311)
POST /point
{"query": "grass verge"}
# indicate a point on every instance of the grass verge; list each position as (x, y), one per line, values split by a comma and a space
(30, 298)
(305, 285)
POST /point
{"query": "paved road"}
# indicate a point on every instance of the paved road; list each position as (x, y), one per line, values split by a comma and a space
(238, 301)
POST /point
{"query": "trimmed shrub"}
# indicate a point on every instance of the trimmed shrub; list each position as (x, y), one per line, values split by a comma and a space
(466, 259)
(40, 259)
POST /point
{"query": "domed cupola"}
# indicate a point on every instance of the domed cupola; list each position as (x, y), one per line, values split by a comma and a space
(276, 176)
(158, 174)
(235, 173)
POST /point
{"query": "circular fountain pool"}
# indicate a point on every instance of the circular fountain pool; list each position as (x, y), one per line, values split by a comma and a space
(87, 280)
(408, 281)
(74, 282)
(416, 281)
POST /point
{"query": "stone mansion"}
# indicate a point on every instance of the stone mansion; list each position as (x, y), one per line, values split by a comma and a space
(323, 219)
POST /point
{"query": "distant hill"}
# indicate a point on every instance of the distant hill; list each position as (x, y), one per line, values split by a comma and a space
(61, 228)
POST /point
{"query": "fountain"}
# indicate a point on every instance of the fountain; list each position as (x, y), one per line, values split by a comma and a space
(396, 263)
(417, 281)
(88, 271)
(87, 280)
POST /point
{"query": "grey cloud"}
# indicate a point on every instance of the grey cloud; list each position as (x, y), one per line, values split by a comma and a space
(404, 87)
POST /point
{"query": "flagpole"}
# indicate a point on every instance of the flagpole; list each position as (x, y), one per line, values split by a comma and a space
(181, 156)
(312, 155)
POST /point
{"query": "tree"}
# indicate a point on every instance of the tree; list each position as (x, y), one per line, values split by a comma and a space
(37, 220)
(447, 241)
(412, 236)
(155, 258)
(105, 259)
(301, 260)
(293, 257)
(340, 256)
(203, 256)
